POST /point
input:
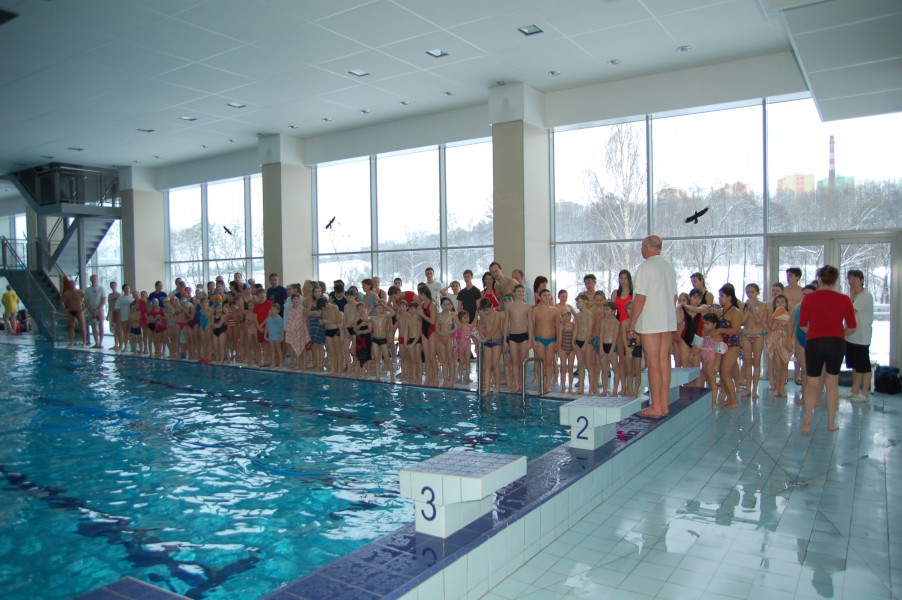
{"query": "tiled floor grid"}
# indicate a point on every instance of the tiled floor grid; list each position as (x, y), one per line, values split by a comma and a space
(748, 508)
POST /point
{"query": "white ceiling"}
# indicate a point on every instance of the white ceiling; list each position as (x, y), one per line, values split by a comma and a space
(89, 74)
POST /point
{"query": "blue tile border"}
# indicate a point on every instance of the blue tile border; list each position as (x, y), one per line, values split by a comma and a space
(397, 563)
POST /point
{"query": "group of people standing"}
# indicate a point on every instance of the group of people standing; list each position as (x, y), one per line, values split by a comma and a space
(426, 336)
(813, 323)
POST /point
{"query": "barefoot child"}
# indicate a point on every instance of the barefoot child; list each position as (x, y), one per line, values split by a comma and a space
(583, 322)
(491, 329)
(273, 331)
(632, 363)
(710, 343)
(413, 347)
(363, 340)
(610, 330)
(565, 333)
(382, 326)
(444, 328)
(779, 343)
(463, 336)
(134, 327)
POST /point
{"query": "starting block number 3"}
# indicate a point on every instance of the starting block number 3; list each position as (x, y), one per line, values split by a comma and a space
(430, 503)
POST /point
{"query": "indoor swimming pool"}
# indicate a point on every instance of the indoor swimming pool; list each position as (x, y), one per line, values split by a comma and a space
(213, 482)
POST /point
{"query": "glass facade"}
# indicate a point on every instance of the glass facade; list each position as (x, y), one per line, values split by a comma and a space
(209, 226)
(432, 207)
(623, 181)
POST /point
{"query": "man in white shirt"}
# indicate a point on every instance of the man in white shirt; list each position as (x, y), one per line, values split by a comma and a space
(654, 318)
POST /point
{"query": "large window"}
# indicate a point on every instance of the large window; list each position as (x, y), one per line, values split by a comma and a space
(834, 176)
(821, 177)
(208, 230)
(415, 229)
(600, 177)
(712, 160)
(107, 260)
(343, 203)
(407, 192)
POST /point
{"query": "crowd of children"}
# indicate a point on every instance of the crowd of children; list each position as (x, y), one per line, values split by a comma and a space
(427, 336)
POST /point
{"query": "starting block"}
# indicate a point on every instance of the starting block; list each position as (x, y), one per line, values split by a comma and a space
(678, 376)
(593, 421)
(452, 490)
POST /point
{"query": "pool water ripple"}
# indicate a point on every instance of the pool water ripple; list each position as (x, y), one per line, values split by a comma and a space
(215, 483)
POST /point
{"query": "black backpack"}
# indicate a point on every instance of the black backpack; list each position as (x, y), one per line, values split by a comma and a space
(887, 381)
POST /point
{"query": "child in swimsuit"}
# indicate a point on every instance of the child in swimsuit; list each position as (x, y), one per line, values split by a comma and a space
(565, 333)
(445, 328)
(273, 332)
(584, 321)
(363, 340)
(610, 329)
(709, 353)
(382, 325)
(779, 343)
(632, 364)
(463, 337)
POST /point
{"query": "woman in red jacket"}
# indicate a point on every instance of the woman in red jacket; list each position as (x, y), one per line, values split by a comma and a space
(827, 317)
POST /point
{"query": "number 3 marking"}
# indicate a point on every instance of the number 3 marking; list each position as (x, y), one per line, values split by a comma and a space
(429, 503)
(585, 422)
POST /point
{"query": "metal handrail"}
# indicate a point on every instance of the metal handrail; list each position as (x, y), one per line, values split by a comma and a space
(526, 361)
(479, 368)
(41, 307)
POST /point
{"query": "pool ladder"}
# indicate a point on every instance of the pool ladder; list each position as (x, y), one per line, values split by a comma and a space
(480, 367)
(526, 361)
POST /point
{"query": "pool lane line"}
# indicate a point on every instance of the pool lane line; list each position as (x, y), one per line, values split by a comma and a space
(116, 530)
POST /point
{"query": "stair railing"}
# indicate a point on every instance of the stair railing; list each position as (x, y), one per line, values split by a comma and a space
(42, 309)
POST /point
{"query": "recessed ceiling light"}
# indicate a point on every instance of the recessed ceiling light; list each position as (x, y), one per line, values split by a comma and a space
(188, 118)
(449, 93)
(365, 111)
(137, 162)
(236, 105)
(292, 127)
(156, 156)
(326, 120)
(614, 62)
(683, 48)
(436, 53)
(74, 149)
(554, 73)
(204, 146)
(146, 130)
(358, 72)
(405, 102)
(529, 30)
(231, 140)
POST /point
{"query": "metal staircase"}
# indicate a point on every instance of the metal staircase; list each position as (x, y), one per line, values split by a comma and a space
(36, 290)
(76, 206)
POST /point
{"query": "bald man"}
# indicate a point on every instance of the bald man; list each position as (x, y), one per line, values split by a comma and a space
(654, 318)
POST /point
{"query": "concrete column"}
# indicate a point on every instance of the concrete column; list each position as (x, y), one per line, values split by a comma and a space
(143, 253)
(287, 209)
(521, 159)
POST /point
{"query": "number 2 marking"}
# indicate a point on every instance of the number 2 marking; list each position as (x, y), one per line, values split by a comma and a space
(585, 422)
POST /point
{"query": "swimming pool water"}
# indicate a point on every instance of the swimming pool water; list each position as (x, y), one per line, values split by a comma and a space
(210, 482)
